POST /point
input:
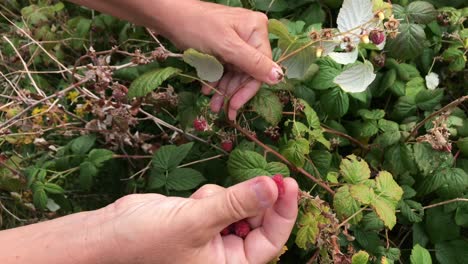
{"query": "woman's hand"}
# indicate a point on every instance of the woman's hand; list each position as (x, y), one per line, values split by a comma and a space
(239, 37)
(152, 228)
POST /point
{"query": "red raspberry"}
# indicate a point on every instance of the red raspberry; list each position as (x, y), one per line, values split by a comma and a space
(226, 231)
(241, 228)
(227, 145)
(200, 124)
(278, 178)
(377, 36)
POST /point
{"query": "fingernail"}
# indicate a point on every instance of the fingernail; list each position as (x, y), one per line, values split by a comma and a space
(276, 75)
(263, 195)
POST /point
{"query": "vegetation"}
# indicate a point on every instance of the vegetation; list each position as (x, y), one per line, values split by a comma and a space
(371, 120)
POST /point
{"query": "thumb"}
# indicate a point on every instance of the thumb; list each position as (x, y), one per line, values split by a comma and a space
(246, 199)
(255, 63)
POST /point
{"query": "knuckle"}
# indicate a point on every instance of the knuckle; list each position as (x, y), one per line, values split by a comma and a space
(235, 207)
(229, 48)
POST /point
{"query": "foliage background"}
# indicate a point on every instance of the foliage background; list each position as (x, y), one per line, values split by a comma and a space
(396, 149)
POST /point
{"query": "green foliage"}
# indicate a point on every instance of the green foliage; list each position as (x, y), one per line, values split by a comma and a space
(368, 123)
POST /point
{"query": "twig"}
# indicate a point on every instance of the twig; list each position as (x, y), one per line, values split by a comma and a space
(165, 124)
(351, 217)
(200, 161)
(282, 158)
(438, 112)
(27, 109)
(11, 214)
(348, 137)
(314, 257)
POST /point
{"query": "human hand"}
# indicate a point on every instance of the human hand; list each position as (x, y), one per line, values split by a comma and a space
(152, 228)
(238, 36)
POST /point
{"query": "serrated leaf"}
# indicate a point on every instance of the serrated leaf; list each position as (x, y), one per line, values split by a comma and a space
(83, 144)
(427, 100)
(268, 105)
(150, 81)
(412, 210)
(87, 173)
(207, 66)
(428, 160)
(184, 179)
(388, 194)
(375, 114)
(244, 165)
(99, 156)
(437, 218)
(40, 198)
(308, 231)
(296, 151)
(335, 102)
(53, 188)
(362, 193)
(361, 257)
(170, 156)
(354, 169)
(448, 182)
(452, 252)
(357, 78)
(369, 129)
(311, 115)
(353, 14)
(346, 206)
(409, 43)
(328, 70)
(420, 12)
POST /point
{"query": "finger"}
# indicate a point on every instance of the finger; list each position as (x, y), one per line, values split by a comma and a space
(253, 62)
(265, 242)
(244, 200)
(208, 88)
(206, 191)
(217, 100)
(242, 96)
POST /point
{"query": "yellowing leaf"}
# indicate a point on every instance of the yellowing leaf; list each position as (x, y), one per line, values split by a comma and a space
(361, 257)
(354, 169)
(345, 205)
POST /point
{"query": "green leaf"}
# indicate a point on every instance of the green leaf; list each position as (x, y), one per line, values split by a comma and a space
(169, 157)
(462, 145)
(388, 194)
(233, 3)
(356, 78)
(184, 179)
(346, 206)
(311, 115)
(150, 81)
(87, 173)
(272, 6)
(461, 215)
(427, 100)
(369, 129)
(440, 225)
(428, 160)
(83, 144)
(99, 156)
(207, 66)
(412, 210)
(40, 198)
(420, 12)
(53, 188)
(327, 73)
(308, 231)
(187, 108)
(361, 257)
(335, 102)
(279, 29)
(399, 159)
(452, 252)
(10, 181)
(362, 193)
(375, 114)
(268, 105)
(420, 255)
(244, 165)
(354, 170)
(448, 182)
(296, 150)
(409, 43)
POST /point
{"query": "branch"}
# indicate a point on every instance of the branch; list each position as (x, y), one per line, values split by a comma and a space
(348, 137)
(282, 158)
(443, 109)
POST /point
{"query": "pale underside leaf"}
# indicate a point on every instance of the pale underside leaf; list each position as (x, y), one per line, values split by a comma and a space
(357, 78)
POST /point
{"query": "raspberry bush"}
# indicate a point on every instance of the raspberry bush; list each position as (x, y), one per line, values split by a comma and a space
(370, 119)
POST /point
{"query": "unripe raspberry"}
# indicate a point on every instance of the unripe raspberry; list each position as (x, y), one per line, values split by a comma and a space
(241, 228)
(200, 124)
(377, 36)
(319, 52)
(278, 178)
(227, 145)
(365, 39)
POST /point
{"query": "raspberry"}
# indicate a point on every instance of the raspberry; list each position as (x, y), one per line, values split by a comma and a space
(226, 231)
(278, 178)
(377, 36)
(200, 124)
(227, 145)
(241, 228)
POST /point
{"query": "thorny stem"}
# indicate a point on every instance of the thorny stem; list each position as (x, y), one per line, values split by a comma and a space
(455, 103)
(282, 158)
